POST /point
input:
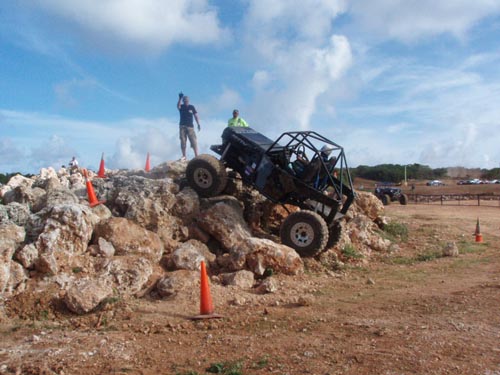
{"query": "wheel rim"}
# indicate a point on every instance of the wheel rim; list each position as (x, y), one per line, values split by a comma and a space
(302, 234)
(203, 178)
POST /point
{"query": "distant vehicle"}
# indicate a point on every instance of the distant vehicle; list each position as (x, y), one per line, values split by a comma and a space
(388, 194)
(474, 181)
(435, 183)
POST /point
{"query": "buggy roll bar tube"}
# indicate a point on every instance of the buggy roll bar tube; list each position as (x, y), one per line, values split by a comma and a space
(304, 138)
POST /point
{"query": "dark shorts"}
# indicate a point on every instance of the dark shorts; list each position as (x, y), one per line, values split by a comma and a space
(187, 132)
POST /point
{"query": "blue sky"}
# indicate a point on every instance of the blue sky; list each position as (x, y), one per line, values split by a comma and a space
(393, 81)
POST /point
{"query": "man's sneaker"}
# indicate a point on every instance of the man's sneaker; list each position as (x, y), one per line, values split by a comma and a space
(183, 159)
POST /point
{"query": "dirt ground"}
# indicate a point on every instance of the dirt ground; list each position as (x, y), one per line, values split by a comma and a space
(408, 312)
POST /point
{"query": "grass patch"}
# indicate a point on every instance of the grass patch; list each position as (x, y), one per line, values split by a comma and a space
(77, 269)
(261, 363)
(429, 255)
(226, 368)
(395, 230)
(349, 252)
(465, 247)
(399, 260)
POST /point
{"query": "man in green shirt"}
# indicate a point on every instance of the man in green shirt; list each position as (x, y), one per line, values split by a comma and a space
(236, 120)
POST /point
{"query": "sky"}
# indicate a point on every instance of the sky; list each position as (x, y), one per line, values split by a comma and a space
(392, 81)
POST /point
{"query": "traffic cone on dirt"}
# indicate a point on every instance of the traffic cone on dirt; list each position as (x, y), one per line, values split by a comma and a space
(101, 173)
(147, 168)
(477, 233)
(206, 304)
(90, 191)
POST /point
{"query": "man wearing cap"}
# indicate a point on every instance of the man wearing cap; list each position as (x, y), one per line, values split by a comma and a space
(186, 126)
(236, 120)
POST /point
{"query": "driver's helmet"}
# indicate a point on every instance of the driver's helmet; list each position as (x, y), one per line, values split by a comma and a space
(326, 150)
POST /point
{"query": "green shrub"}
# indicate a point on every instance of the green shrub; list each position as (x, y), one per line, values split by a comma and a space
(397, 230)
(350, 252)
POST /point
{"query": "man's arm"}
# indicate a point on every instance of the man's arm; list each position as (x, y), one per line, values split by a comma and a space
(179, 103)
(197, 120)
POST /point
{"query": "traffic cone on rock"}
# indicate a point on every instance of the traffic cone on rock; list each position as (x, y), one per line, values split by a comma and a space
(147, 168)
(477, 233)
(101, 173)
(93, 201)
(206, 304)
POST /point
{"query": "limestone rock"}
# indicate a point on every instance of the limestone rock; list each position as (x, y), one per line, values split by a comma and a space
(129, 238)
(86, 294)
(450, 250)
(268, 285)
(190, 254)
(128, 274)
(260, 254)
(15, 212)
(225, 223)
(11, 236)
(187, 205)
(174, 282)
(369, 204)
(67, 232)
(27, 256)
(243, 279)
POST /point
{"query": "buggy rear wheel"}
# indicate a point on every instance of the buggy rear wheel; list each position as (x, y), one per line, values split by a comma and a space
(305, 231)
(403, 199)
(206, 175)
(386, 199)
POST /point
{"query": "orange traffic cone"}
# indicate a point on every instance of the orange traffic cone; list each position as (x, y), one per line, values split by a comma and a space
(90, 191)
(147, 168)
(206, 304)
(477, 233)
(101, 172)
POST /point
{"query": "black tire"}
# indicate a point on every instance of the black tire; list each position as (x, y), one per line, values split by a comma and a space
(305, 231)
(403, 199)
(206, 175)
(334, 234)
(386, 199)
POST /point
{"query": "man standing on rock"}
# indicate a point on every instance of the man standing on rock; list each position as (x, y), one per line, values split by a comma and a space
(186, 126)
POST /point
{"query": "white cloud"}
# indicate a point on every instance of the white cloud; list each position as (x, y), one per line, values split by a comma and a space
(412, 20)
(151, 24)
(224, 102)
(297, 59)
(53, 152)
(11, 156)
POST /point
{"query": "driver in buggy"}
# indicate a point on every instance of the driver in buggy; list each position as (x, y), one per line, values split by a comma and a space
(312, 173)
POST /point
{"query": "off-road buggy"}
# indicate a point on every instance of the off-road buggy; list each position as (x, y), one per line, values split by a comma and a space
(388, 194)
(300, 168)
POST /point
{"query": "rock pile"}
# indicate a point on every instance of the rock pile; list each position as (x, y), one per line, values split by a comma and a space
(151, 235)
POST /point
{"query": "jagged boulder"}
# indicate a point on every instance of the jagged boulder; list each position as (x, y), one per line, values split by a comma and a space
(266, 254)
(86, 294)
(190, 254)
(224, 221)
(129, 238)
(33, 197)
(128, 274)
(27, 256)
(369, 205)
(15, 212)
(243, 279)
(11, 237)
(187, 205)
(67, 232)
(175, 282)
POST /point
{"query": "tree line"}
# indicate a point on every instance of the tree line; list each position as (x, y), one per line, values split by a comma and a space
(396, 172)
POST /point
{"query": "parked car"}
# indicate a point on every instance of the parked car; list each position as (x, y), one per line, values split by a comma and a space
(435, 183)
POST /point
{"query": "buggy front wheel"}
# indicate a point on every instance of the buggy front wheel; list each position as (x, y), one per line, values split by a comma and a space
(305, 231)
(206, 175)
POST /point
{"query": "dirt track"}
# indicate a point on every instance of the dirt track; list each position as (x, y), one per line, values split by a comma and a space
(402, 313)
